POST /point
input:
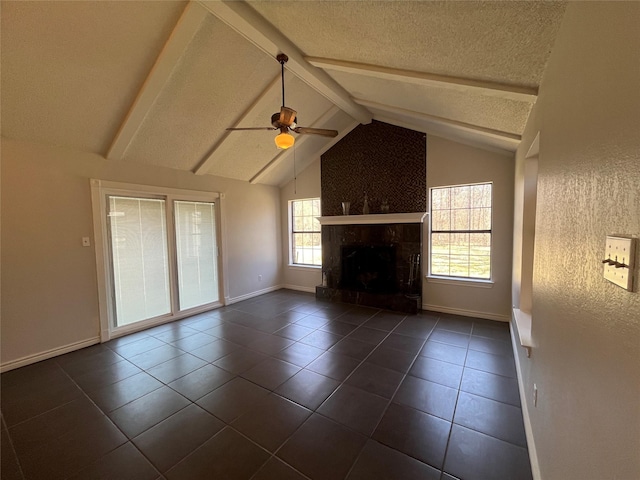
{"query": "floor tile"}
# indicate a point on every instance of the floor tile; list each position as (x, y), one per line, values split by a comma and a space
(379, 462)
(448, 374)
(352, 348)
(9, 466)
(489, 345)
(415, 433)
(444, 352)
(312, 321)
(49, 426)
(271, 421)
(450, 338)
(497, 419)
(322, 449)
(271, 373)
(101, 377)
(120, 393)
(427, 396)
(194, 341)
(475, 455)
(155, 356)
(240, 360)
(22, 402)
(201, 381)
(90, 359)
(375, 379)
(368, 335)
(496, 332)
(294, 332)
(403, 343)
(174, 438)
(321, 339)
(386, 323)
(128, 350)
(354, 408)
(418, 327)
(271, 344)
(69, 454)
(495, 387)
(275, 469)
(123, 463)
(299, 354)
(338, 327)
(216, 350)
(487, 362)
(175, 333)
(228, 455)
(232, 399)
(175, 368)
(143, 413)
(455, 323)
(334, 365)
(308, 388)
(392, 359)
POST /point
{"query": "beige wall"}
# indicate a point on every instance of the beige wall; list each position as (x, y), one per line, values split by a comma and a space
(307, 185)
(451, 163)
(49, 289)
(586, 331)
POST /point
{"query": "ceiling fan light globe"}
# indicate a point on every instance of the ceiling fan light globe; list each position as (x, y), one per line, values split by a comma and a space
(284, 140)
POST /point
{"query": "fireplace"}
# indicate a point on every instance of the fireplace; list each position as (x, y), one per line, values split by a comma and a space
(373, 260)
(369, 268)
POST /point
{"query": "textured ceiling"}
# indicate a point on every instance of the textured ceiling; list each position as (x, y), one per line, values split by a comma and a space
(158, 82)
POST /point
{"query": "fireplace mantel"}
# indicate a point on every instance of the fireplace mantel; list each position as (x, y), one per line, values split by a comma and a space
(376, 219)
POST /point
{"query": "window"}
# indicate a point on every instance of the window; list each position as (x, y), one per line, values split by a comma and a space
(306, 246)
(460, 243)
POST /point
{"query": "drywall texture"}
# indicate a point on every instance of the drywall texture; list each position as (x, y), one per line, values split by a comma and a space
(49, 287)
(385, 161)
(586, 330)
(451, 163)
(306, 185)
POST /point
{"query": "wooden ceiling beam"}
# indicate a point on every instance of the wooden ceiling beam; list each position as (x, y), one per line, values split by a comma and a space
(494, 89)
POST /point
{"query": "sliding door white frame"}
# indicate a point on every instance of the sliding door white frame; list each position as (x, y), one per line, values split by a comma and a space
(100, 190)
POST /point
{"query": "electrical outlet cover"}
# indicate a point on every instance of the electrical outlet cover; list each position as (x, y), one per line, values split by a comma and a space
(622, 251)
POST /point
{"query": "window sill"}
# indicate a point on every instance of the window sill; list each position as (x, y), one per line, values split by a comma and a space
(462, 282)
(296, 266)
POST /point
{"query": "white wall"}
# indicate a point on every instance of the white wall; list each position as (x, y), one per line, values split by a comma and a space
(307, 185)
(451, 163)
(586, 331)
(49, 286)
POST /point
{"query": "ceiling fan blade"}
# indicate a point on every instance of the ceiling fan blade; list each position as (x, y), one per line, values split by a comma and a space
(253, 128)
(316, 131)
(287, 116)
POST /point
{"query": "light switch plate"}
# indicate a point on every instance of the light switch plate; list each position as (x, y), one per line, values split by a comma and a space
(621, 251)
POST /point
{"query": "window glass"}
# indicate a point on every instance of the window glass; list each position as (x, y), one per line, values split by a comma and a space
(306, 247)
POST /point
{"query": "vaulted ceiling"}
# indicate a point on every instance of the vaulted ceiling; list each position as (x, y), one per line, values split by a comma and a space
(159, 82)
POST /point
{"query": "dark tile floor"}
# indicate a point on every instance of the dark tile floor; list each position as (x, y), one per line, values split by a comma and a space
(277, 387)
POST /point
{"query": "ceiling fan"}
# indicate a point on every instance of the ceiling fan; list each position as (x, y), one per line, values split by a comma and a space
(285, 120)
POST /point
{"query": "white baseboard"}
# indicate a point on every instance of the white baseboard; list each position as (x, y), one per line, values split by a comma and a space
(247, 296)
(54, 352)
(300, 288)
(531, 444)
(467, 313)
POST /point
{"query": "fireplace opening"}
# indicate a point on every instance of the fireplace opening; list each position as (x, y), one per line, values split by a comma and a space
(369, 268)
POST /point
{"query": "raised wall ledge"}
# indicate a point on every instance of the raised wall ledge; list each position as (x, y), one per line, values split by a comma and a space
(376, 219)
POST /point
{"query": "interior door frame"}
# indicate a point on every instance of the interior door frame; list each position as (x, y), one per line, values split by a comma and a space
(100, 190)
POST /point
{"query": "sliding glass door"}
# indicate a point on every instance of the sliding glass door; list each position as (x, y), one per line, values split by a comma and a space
(140, 260)
(161, 256)
(196, 250)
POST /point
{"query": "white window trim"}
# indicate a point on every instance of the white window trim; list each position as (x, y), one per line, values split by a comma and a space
(451, 280)
(99, 191)
(300, 266)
